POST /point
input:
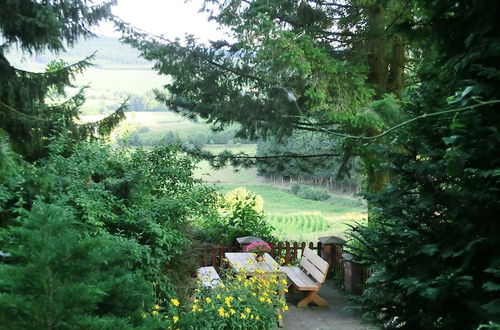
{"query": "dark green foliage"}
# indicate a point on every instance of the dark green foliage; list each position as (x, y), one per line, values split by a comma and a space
(329, 167)
(308, 192)
(290, 66)
(59, 277)
(433, 241)
(130, 208)
(32, 108)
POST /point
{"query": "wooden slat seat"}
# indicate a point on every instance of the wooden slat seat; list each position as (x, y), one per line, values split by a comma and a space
(309, 277)
(300, 279)
(209, 277)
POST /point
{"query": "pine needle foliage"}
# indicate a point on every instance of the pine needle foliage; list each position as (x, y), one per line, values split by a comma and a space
(32, 105)
(433, 242)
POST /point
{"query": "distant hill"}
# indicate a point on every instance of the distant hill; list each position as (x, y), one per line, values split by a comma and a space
(110, 52)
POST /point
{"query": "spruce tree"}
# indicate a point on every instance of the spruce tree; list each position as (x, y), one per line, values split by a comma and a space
(433, 243)
(32, 107)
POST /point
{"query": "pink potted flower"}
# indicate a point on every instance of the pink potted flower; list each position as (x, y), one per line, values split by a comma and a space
(258, 248)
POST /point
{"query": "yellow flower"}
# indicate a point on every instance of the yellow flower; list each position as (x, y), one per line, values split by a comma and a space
(175, 318)
(243, 316)
(286, 290)
(248, 310)
(285, 308)
(284, 282)
(175, 302)
(195, 301)
(232, 311)
(144, 315)
(249, 261)
(282, 260)
(221, 312)
(280, 317)
(257, 317)
(154, 312)
(254, 294)
(269, 301)
(194, 308)
(208, 300)
(156, 307)
(218, 296)
(251, 316)
(262, 299)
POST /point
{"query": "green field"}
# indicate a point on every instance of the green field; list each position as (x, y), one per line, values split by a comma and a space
(137, 80)
(294, 218)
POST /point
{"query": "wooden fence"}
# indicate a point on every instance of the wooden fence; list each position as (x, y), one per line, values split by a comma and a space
(286, 252)
(290, 253)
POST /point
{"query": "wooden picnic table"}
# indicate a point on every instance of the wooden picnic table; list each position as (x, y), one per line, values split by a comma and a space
(245, 263)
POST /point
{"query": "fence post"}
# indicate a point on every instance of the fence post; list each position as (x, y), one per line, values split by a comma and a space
(330, 253)
(353, 275)
(244, 241)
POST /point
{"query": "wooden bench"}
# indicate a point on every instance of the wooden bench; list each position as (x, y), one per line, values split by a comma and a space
(309, 277)
(209, 277)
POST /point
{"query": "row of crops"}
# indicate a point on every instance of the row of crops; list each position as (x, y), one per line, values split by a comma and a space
(297, 226)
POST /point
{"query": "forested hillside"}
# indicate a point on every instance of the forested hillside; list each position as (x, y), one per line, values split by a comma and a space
(109, 52)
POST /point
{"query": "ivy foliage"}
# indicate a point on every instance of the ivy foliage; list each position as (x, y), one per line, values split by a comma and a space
(433, 240)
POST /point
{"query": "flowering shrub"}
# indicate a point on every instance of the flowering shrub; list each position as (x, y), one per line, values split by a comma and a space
(239, 213)
(258, 247)
(239, 303)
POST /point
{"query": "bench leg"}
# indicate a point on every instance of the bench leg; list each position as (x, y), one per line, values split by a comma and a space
(312, 296)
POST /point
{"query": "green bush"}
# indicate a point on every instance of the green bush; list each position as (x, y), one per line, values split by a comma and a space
(135, 207)
(240, 213)
(308, 192)
(59, 277)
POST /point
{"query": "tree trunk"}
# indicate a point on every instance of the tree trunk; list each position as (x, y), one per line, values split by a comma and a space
(396, 69)
(377, 50)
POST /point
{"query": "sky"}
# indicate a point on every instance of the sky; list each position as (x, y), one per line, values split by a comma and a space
(173, 18)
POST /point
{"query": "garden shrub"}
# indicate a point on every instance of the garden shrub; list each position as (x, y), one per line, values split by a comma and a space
(59, 277)
(308, 192)
(135, 206)
(239, 213)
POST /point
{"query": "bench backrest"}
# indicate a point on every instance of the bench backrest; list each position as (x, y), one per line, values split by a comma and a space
(314, 265)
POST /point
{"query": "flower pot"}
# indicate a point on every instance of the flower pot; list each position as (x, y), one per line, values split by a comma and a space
(259, 258)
